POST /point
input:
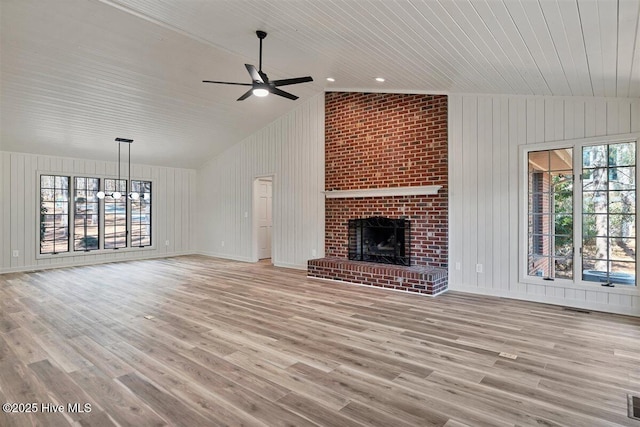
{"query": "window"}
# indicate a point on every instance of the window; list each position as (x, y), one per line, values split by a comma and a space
(550, 216)
(115, 215)
(74, 219)
(54, 214)
(141, 214)
(86, 214)
(582, 229)
(609, 213)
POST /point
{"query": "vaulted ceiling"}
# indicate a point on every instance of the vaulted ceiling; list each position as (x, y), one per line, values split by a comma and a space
(75, 74)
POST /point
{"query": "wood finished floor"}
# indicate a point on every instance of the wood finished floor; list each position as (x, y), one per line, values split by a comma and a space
(249, 344)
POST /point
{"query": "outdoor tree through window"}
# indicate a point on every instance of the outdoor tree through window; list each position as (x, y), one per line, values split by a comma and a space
(115, 215)
(585, 231)
(54, 214)
(609, 213)
(86, 214)
(81, 214)
(141, 214)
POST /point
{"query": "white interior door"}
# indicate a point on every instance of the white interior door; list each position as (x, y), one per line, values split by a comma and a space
(264, 198)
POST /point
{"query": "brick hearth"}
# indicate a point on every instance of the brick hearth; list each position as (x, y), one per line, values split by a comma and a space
(419, 279)
(374, 141)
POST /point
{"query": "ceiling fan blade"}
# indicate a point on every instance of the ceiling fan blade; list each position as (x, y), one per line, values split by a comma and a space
(293, 81)
(246, 95)
(255, 76)
(227, 83)
(276, 91)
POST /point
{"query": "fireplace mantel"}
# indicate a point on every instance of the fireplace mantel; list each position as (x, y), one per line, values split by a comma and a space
(423, 190)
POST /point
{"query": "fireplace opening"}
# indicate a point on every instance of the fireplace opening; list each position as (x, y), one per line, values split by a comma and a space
(380, 239)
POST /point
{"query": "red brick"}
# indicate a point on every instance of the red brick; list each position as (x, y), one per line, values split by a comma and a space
(376, 140)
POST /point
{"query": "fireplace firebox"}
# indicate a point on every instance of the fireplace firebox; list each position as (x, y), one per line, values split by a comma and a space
(379, 239)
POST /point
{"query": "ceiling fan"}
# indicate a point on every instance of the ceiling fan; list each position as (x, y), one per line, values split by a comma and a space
(261, 85)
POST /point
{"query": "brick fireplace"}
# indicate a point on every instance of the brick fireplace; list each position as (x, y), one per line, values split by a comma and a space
(381, 152)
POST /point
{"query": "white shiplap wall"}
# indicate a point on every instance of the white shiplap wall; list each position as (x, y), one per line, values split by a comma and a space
(292, 150)
(173, 210)
(485, 133)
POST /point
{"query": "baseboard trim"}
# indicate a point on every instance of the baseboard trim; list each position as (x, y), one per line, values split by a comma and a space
(543, 299)
(31, 268)
(292, 266)
(224, 256)
(251, 260)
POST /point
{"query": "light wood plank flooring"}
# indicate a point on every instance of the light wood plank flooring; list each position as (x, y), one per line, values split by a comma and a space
(249, 344)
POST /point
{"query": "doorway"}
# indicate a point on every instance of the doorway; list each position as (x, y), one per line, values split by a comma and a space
(263, 217)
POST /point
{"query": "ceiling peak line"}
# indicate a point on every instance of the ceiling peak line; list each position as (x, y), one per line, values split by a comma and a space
(633, 55)
(169, 27)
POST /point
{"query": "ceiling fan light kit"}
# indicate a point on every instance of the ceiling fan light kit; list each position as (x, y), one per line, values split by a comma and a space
(260, 84)
(260, 91)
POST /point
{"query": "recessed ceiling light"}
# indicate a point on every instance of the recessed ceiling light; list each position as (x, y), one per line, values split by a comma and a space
(379, 79)
(331, 79)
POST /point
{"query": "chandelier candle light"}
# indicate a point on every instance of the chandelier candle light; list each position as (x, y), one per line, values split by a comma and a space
(116, 194)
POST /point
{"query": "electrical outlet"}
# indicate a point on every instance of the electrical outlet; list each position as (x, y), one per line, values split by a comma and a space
(246, 214)
(16, 253)
(478, 268)
(166, 243)
(458, 266)
(313, 252)
(222, 244)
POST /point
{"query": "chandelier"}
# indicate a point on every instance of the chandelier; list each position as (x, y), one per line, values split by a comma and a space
(117, 194)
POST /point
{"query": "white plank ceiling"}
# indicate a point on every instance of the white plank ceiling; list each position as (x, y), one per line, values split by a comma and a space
(75, 74)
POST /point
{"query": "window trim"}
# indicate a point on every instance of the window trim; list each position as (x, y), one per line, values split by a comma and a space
(97, 252)
(577, 145)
